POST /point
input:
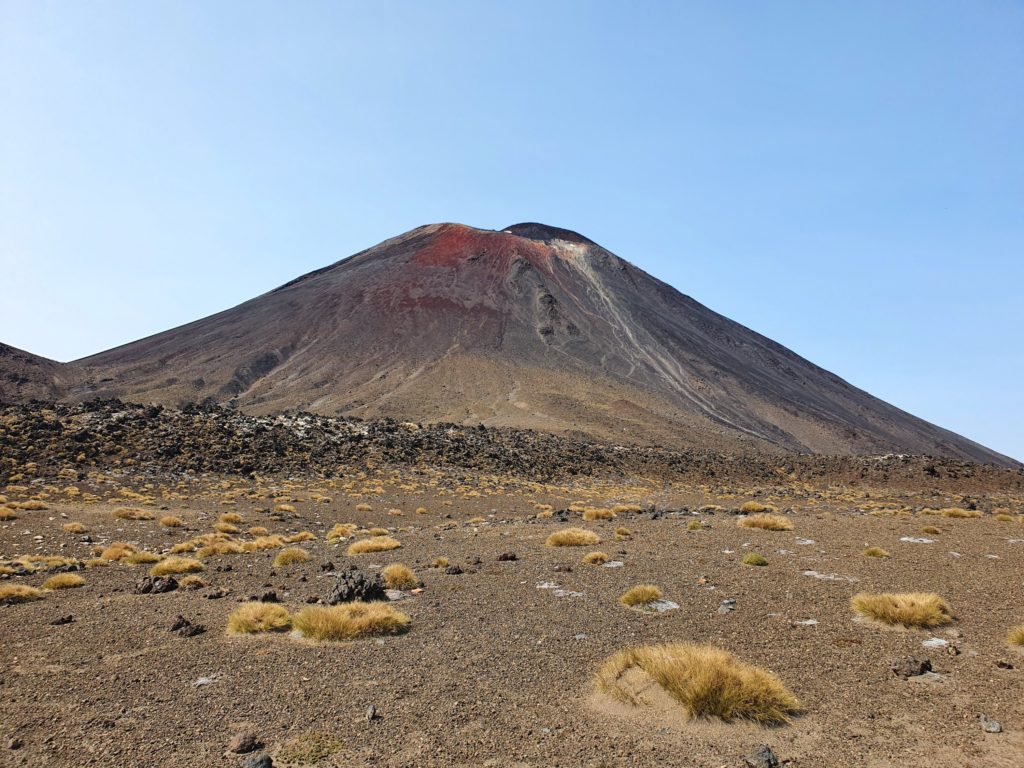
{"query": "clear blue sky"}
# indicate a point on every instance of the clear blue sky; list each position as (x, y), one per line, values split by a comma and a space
(844, 177)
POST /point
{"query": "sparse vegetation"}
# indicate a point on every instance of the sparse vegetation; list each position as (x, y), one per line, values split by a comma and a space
(695, 525)
(706, 681)
(375, 544)
(75, 528)
(399, 576)
(140, 557)
(596, 558)
(290, 556)
(350, 621)
(1015, 637)
(192, 582)
(572, 537)
(753, 558)
(232, 518)
(642, 594)
(132, 513)
(931, 530)
(911, 609)
(341, 531)
(754, 507)
(250, 618)
(875, 552)
(766, 522)
(173, 565)
(64, 581)
(439, 562)
(958, 513)
(18, 593)
(593, 513)
(170, 521)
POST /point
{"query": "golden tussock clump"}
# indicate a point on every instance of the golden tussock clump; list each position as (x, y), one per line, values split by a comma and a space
(476, 520)
(262, 543)
(290, 556)
(363, 507)
(399, 576)
(572, 537)
(170, 521)
(706, 681)
(32, 505)
(957, 512)
(342, 531)
(140, 557)
(75, 528)
(595, 558)
(695, 525)
(1004, 518)
(544, 514)
(96, 562)
(350, 621)
(225, 528)
(233, 518)
(421, 510)
(377, 532)
(754, 507)
(18, 593)
(220, 548)
(875, 552)
(375, 544)
(753, 558)
(284, 508)
(295, 538)
(184, 546)
(173, 565)
(620, 509)
(132, 513)
(1015, 637)
(64, 581)
(909, 609)
(192, 582)
(258, 530)
(622, 533)
(931, 529)
(592, 513)
(439, 562)
(249, 618)
(7, 514)
(642, 594)
(766, 522)
(117, 550)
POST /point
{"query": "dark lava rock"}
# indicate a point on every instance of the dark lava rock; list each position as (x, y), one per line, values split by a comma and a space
(910, 667)
(258, 761)
(507, 557)
(155, 585)
(216, 594)
(762, 757)
(244, 742)
(327, 566)
(563, 569)
(62, 620)
(353, 585)
(185, 628)
(270, 596)
(453, 570)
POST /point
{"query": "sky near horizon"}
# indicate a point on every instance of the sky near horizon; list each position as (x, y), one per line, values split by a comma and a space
(846, 178)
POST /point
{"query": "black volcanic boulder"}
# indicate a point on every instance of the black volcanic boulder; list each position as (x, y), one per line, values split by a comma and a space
(353, 585)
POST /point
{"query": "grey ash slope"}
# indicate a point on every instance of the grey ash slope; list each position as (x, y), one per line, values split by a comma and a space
(531, 326)
(24, 376)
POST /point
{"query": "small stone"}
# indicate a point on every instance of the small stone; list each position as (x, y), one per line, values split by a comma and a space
(727, 606)
(156, 585)
(762, 757)
(258, 761)
(988, 725)
(507, 557)
(185, 628)
(244, 742)
(910, 666)
(453, 570)
(371, 713)
(353, 585)
(563, 569)
(15, 743)
(327, 566)
(62, 620)
(1002, 664)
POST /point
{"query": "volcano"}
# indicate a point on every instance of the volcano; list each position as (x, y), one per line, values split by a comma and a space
(531, 326)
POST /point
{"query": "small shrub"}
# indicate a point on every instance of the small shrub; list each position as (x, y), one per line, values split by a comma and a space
(1003, 518)
(695, 525)
(375, 544)
(192, 582)
(290, 556)
(295, 538)
(642, 594)
(117, 551)
(572, 537)
(173, 565)
(132, 513)
(184, 546)
(1016, 636)
(705, 680)
(591, 514)
(349, 621)
(958, 513)
(7, 514)
(752, 558)
(421, 510)
(621, 509)
(32, 505)
(377, 532)
(875, 552)
(232, 518)
(75, 528)
(18, 593)
(249, 618)
(258, 530)
(931, 530)
(64, 581)
(284, 508)
(363, 507)
(439, 562)
(911, 609)
(766, 522)
(596, 558)
(170, 521)
(622, 533)
(263, 543)
(228, 528)
(399, 576)
(140, 557)
(220, 548)
(754, 507)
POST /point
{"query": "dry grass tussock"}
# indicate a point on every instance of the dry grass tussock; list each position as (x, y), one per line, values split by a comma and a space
(350, 621)
(132, 513)
(249, 618)
(642, 594)
(18, 593)
(117, 551)
(140, 557)
(958, 513)
(75, 528)
(705, 680)
(754, 507)
(910, 609)
(192, 582)
(931, 530)
(766, 522)
(7, 514)
(290, 556)
(170, 521)
(595, 558)
(572, 537)
(64, 581)
(32, 505)
(229, 528)
(231, 517)
(342, 531)
(375, 544)
(1015, 637)
(263, 543)
(174, 565)
(622, 533)
(875, 552)
(753, 558)
(399, 576)
(594, 513)
(377, 532)
(295, 538)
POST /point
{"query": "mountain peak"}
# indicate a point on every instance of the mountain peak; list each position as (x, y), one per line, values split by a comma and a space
(545, 232)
